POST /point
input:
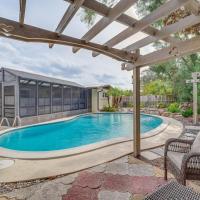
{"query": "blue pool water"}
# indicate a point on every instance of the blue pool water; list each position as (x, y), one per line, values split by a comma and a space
(80, 131)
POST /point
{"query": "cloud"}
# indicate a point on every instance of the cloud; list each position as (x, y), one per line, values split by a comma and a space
(59, 61)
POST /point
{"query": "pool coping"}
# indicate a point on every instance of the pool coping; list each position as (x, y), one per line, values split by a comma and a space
(42, 155)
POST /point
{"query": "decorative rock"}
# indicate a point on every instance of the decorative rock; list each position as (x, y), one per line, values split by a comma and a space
(108, 195)
(50, 191)
(23, 193)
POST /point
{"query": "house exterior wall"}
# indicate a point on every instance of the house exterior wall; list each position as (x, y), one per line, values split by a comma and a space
(52, 116)
(99, 99)
(103, 99)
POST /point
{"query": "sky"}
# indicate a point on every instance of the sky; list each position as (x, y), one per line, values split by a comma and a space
(59, 61)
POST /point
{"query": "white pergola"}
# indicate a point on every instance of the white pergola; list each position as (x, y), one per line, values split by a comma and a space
(130, 55)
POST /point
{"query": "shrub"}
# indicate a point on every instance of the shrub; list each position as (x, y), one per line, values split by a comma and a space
(109, 109)
(187, 113)
(142, 105)
(173, 108)
(161, 105)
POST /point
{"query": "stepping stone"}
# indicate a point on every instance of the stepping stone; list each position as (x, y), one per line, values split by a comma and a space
(109, 195)
(193, 127)
(91, 180)
(150, 155)
(80, 193)
(98, 168)
(121, 160)
(117, 168)
(140, 170)
(159, 151)
(66, 180)
(138, 197)
(133, 160)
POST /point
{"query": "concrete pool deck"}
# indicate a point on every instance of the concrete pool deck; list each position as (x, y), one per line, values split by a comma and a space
(33, 169)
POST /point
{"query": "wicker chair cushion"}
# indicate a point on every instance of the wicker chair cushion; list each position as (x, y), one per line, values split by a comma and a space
(176, 158)
(196, 145)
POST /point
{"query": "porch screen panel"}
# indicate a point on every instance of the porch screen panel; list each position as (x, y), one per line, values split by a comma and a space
(28, 98)
(0, 99)
(83, 99)
(89, 100)
(56, 98)
(75, 98)
(67, 98)
(44, 98)
(9, 101)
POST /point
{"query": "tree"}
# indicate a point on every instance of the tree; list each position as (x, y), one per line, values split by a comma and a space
(117, 94)
(172, 73)
(88, 16)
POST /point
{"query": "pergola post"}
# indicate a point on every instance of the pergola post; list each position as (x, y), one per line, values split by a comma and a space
(136, 111)
(195, 99)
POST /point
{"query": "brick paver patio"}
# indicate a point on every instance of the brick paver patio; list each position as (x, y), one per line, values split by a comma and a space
(126, 178)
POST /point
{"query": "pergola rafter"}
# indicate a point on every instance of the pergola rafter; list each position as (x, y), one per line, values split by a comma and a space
(124, 19)
(158, 14)
(67, 17)
(114, 13)
(22, 11)
(165, 31)
(130, 56)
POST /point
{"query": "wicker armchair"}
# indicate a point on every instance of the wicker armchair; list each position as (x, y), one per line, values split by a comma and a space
(182, 157)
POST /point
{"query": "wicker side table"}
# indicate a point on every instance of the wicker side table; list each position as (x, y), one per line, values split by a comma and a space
(173, 191)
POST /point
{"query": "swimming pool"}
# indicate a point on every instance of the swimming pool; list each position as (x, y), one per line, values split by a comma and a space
(82, 130)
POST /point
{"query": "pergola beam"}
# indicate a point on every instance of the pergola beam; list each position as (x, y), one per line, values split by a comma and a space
(156, 15)
(27, 33)
(166, 31)
(178, 50)
(67, 17)
(113, 14)
(22, 11)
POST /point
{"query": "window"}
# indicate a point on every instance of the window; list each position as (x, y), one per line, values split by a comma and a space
(66, 98)
(56, 98)
(44, 98)
(83, 99)
(28, 97)
(75, 98)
